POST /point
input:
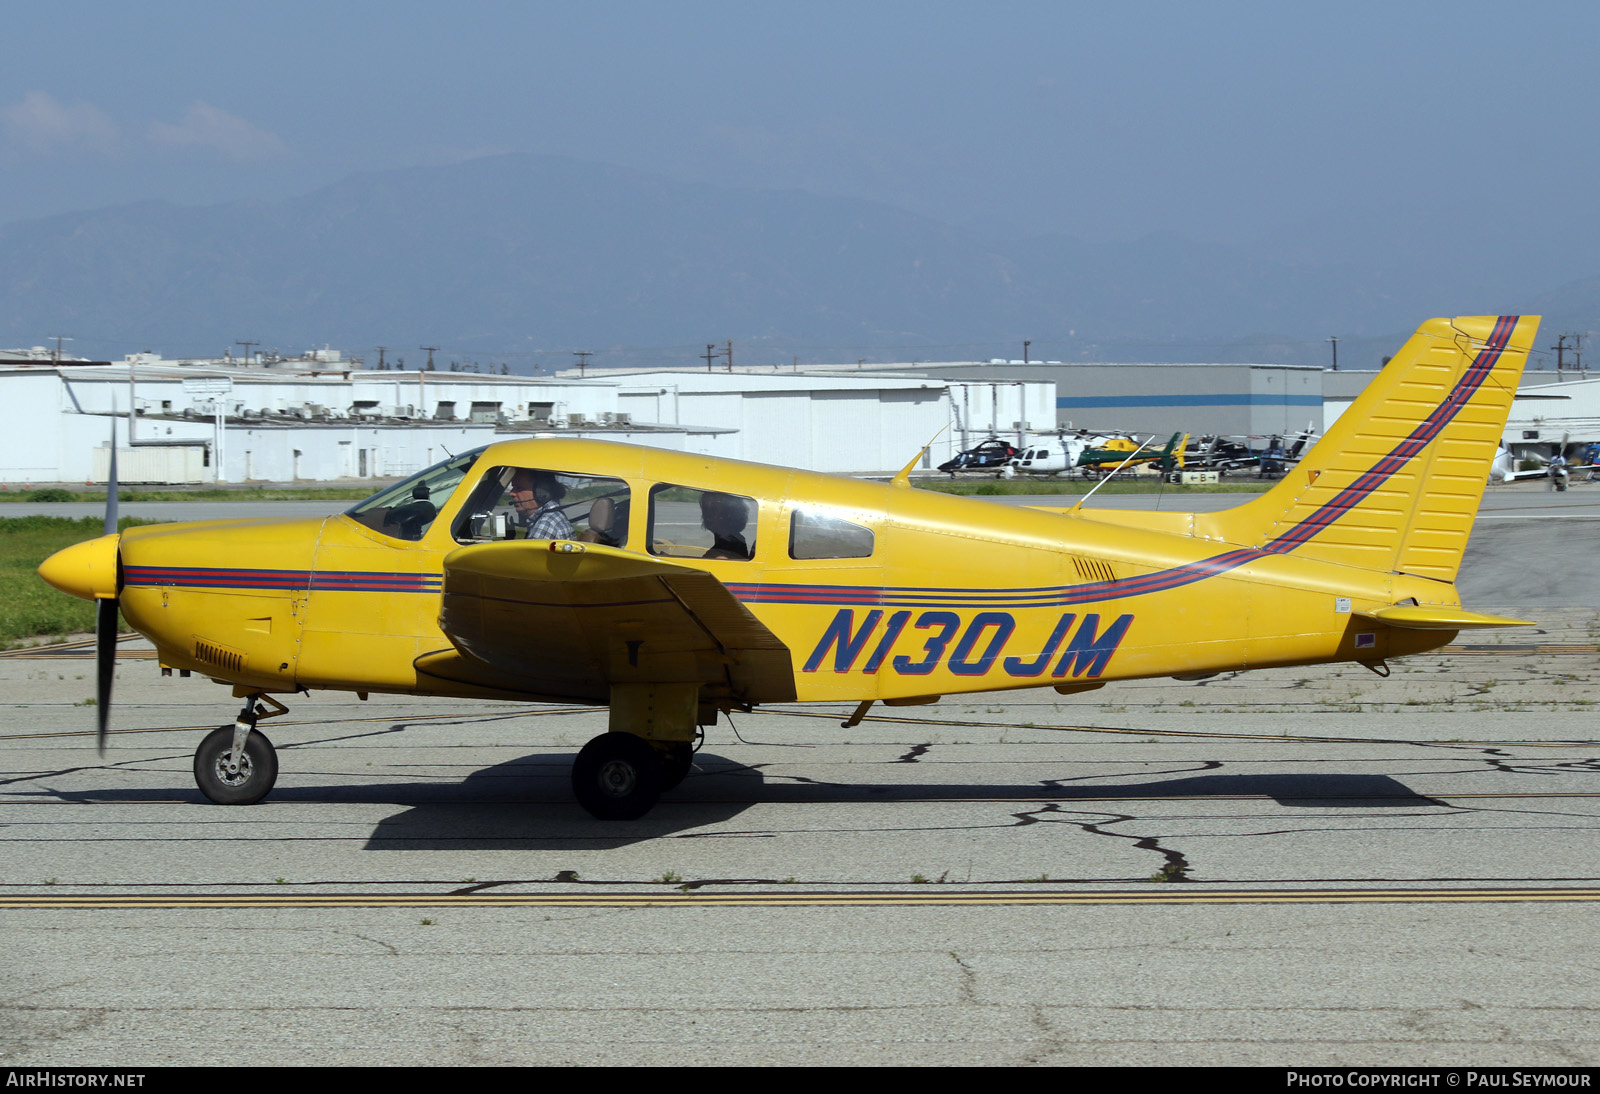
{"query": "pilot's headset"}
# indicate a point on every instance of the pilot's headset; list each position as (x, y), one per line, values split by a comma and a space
(547, 488)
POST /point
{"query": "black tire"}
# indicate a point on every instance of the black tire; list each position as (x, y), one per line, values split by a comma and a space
(617, 776)
(677, 757)
(255, 777)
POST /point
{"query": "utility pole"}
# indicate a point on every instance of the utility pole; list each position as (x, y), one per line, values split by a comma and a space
(583, 356)
(59, 339)
(1025, 344)
(247, 346)
(381, 365)
(430, 350)
(1561, 351)
(710, 354)
(1335, 342)
(730, 355)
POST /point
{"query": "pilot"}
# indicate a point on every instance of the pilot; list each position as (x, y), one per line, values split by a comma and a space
(725, 517)
(537, 496)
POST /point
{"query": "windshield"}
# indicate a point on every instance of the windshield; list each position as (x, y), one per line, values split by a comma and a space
(407, 509)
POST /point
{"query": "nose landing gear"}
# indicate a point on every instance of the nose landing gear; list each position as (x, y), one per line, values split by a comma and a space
(236, 764)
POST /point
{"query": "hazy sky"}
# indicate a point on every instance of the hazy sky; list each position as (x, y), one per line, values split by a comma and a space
(1224, 121)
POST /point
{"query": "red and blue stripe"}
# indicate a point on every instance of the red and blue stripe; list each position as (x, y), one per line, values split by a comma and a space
(216, 577)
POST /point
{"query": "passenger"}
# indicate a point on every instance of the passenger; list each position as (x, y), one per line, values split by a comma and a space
(537, 496)
(726, 518)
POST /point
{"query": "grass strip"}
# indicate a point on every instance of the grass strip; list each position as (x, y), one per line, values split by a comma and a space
(30, 609)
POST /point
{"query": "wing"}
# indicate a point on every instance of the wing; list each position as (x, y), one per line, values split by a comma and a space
(569, 620)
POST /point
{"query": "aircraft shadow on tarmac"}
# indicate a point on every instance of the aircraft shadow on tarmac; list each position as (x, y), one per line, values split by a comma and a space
(543, 815)
(527, 803)
(1328, 790)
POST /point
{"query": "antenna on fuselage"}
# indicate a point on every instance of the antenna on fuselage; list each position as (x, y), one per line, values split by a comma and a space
(904, 477)
(1114, 470)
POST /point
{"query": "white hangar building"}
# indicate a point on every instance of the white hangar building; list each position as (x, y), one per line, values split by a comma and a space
(831, 422)
(226, 422)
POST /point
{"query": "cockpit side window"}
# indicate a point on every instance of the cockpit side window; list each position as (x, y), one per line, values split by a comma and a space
(408, 509)
(540, 503)
(690, 523)
(819, 535)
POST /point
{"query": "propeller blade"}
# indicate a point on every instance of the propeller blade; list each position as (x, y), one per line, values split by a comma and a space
(105, 664)
(105, 614)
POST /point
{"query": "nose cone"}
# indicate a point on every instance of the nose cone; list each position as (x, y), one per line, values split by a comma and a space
(87, 569)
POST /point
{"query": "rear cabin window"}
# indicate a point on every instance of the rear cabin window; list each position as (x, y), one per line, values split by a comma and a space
(690, 523)
(540, 503)
(818, 535)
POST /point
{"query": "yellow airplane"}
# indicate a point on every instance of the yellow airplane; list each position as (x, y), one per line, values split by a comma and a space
(671, 587)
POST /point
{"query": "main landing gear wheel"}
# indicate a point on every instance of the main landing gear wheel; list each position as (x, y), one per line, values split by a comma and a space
(617, 776)
(227, 782)
(676, 759)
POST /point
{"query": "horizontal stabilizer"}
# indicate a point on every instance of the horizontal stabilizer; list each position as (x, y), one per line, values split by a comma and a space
(1416, 617)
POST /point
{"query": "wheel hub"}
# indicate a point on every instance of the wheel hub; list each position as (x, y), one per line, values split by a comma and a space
(233, 774)
(617, 778)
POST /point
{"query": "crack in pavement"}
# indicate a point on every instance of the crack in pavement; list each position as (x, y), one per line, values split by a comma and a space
(1175, 866)
(1591, 763)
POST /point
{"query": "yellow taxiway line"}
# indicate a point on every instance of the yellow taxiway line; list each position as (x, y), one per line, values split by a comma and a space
(1169, 893)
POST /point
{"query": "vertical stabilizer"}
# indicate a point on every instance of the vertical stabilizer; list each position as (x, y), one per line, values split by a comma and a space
(1395, 483)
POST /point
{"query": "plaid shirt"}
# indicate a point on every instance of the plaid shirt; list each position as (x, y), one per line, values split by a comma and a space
(549, 523)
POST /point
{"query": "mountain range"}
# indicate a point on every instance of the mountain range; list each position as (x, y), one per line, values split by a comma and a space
(521, 259)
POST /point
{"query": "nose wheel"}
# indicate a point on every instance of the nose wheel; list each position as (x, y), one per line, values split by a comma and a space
(235, 768)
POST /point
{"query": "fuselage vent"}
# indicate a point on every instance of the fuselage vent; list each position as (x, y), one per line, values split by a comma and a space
(1092, 569)
(221, 656)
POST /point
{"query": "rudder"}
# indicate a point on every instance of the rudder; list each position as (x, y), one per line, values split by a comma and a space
(1394, 485)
